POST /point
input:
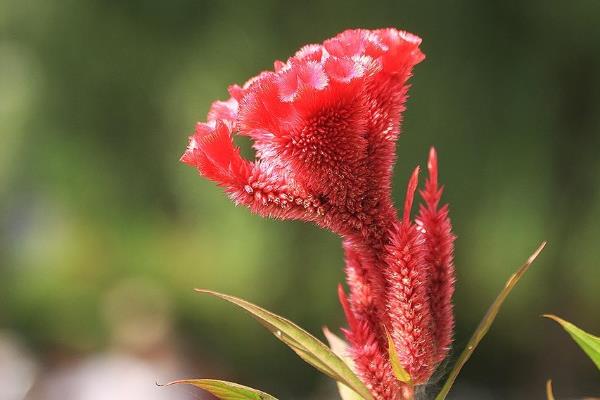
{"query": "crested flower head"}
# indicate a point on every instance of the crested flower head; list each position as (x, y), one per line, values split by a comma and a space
(324, 126)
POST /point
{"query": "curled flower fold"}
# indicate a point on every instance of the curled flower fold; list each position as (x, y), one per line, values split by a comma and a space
(324, 126)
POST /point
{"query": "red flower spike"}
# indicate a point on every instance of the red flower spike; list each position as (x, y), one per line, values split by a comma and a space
(408, 306)
(365, 334)
(410, 195)
(345, 306)
(437, 229)
(324, 125)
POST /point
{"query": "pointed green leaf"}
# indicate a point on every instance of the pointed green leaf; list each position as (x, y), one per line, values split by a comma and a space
(340, 347)
(486, 323)
(399, 372)
(549, 393)
(227, 390)
(308, 347)
(588, 343)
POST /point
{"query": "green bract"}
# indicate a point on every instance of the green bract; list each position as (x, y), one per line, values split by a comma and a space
(227, 390)
(588, 343)
(308, 347)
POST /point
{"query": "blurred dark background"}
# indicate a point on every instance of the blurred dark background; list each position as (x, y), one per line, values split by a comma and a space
(103, 233)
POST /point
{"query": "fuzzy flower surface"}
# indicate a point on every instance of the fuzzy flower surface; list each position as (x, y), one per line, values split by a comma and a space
(324, 125)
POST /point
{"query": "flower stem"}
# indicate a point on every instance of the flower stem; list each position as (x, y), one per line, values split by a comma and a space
(486, 322)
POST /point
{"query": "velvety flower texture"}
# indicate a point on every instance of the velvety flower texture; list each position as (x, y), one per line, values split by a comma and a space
(324, 126)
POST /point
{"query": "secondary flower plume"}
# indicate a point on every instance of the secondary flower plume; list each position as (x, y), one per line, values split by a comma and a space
(324, 126)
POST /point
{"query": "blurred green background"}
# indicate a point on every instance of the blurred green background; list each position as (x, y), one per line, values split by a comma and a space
(103, 233)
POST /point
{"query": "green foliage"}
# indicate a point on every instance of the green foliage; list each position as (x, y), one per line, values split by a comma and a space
(590, 344)
(308, 347)
(399, 372)
(486, 323)
(227, 390)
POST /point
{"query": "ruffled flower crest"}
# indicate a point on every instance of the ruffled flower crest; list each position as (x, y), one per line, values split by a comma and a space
(319, 150)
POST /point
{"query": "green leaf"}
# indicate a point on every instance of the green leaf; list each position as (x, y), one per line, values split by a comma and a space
(486, 323)
(340, 347)
(309, 348)
(588, 343)
(226, 390)
(549, 393)
(399, 372)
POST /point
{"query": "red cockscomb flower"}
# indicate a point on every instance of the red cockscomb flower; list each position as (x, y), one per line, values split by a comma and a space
(324, 125)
